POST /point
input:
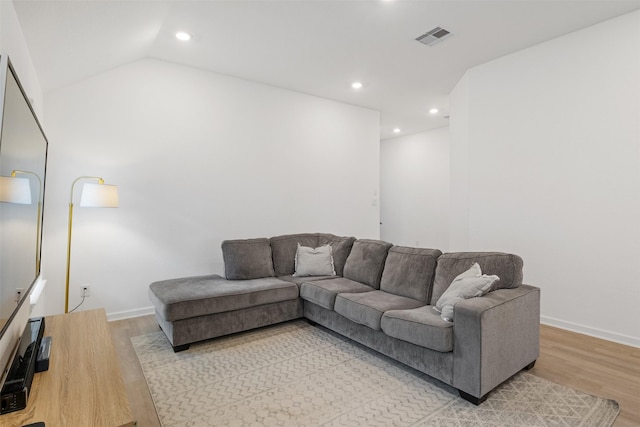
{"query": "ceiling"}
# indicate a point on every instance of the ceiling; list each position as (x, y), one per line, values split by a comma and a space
(315, 47)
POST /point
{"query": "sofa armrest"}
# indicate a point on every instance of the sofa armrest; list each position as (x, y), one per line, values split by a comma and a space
(495, 336)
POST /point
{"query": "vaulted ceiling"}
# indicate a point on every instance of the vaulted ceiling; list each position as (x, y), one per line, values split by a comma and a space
(315, 47)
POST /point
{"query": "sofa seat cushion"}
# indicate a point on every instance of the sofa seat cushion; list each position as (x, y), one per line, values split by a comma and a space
(188, 297)
(367, 308)
(421, 326)
(324, 292)
(300, 280)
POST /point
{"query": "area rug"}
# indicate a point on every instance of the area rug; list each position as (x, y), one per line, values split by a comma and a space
(295, 374)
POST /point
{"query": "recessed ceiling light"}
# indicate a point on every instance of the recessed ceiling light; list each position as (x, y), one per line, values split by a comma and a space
(356, 85)
(183, 36)
(433, 111)
(396, 130)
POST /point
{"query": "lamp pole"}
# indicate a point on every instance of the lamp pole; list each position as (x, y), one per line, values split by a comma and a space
(66, 295)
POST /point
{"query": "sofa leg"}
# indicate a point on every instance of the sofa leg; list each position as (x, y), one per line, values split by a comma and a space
(475, 400)
(529, 366)
(178, 348)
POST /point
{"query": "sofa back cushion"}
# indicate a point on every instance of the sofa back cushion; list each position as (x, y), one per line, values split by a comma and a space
(507, 267)
(341, 248)
(409, 272)
(366, 262)
(284, 249)
(247, 259)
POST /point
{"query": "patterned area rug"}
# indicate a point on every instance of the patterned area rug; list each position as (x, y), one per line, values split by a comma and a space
(294, 374)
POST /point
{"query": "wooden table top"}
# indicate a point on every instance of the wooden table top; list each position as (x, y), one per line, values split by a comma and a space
(83, 386)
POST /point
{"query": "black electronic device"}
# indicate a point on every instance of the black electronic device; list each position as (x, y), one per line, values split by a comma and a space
(42, 360)
(17, 385)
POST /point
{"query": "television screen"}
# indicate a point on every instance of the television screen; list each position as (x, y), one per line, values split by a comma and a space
(23, 158)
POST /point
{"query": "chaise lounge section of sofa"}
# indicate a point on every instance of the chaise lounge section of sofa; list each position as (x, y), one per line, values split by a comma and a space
(377, 294)
(258, 289)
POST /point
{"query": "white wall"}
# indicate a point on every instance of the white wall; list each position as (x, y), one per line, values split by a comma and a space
(550, 140)
(198, 158)
(459, 167)
(13, 43)
(414, 182)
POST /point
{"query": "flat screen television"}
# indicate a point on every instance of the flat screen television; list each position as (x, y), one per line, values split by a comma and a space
(23, 161)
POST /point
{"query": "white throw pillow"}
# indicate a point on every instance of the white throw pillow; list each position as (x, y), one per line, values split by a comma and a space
(314, 261)
(470, 284)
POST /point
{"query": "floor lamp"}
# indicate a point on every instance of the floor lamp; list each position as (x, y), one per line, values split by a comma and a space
(98, 195)
(15, 190)
(39, 225)
(18, 190)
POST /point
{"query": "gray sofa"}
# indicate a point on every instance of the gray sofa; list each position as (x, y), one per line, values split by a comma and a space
(380, 295)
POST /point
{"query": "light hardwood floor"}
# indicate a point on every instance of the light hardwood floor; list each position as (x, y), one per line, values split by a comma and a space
(591, 365)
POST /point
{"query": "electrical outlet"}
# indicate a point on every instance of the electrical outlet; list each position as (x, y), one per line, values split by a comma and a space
(19, 292)
(85, 291)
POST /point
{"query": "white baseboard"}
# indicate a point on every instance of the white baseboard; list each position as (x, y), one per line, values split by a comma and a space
(593, 332)
(128, 314)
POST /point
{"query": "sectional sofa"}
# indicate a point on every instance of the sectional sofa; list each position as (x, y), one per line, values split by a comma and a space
(380, 295)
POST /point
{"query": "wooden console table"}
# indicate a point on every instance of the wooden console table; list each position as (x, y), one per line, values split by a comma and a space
(83, 386)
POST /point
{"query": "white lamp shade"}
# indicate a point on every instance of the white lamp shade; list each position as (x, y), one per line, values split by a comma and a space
(15, 190)
(99, 196)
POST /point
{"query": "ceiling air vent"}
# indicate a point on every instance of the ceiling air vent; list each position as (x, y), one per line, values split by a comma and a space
(434, 36)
